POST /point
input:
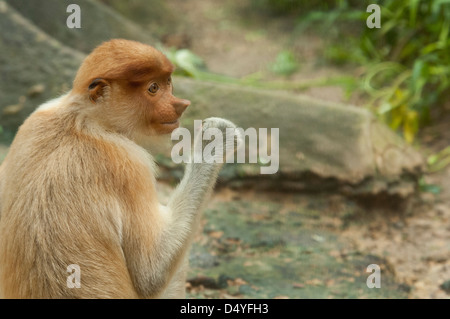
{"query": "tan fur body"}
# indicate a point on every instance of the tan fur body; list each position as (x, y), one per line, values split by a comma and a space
(76, 188)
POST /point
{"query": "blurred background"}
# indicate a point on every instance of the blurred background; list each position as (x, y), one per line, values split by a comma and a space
(364, 140)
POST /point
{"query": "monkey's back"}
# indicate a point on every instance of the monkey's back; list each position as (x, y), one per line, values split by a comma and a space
(59, 207)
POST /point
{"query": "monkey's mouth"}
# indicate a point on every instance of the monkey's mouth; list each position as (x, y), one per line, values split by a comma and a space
(170, 126)
(176, 122)
(170, 123)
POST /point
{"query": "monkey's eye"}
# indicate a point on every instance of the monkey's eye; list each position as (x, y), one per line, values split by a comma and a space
(169, 81)
(154, 87)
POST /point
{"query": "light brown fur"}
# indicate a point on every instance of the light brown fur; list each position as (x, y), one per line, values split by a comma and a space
(76, 188)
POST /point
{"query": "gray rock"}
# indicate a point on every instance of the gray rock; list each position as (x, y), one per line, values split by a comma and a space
(30, 60)
(322, 145)
(153, 15)
(98, 23)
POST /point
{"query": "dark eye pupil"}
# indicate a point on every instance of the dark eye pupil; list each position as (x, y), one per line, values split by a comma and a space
(153, 88)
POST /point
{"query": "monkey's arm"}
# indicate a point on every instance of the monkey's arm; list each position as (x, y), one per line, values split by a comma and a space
(190, 197)
(166, 247)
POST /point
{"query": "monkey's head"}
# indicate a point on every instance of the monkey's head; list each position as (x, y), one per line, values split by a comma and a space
(128, 86)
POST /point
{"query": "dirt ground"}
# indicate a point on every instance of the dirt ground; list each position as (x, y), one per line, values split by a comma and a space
(416, 242)
(233, 45)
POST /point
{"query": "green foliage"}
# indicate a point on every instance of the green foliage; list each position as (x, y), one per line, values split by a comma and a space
(332, 21)
(285, 63)
(439, 160)
(429, 188)
(187, 62)
(406, 61)
(414, 39)
(295, 7)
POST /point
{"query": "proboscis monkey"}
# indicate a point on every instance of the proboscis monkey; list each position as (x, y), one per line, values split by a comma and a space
(76, 188)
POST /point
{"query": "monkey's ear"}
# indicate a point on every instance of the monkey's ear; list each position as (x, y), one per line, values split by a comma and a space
(97, 89)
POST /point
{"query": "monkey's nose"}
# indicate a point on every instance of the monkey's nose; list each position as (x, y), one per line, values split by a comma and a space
(180, 105)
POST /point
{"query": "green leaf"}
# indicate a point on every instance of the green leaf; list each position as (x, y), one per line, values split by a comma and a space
(410, 126)
(413, 12)
(285, 63)
(443, 36)
(432, 159)
(430, 188)
(417, 70)
(188, 61)
(439, 160)
(396, 119)
(385, 108)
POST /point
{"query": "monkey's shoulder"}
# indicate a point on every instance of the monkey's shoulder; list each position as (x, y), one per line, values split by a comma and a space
(45, 147)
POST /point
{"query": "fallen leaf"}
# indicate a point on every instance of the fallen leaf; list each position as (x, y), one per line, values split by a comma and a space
(240, 281)
(12, 109)
(334, 253)
(314, 282)
(233, 240)
(215, 234)
(318, 238)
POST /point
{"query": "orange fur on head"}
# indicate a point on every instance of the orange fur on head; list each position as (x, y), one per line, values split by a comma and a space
(117, 76)
(121, 60)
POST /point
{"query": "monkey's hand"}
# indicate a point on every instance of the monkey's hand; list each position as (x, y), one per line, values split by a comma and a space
(230, 140)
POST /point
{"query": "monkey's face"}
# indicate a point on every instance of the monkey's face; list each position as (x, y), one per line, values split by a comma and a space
(162, 109)
(130, 85)
(146, 107)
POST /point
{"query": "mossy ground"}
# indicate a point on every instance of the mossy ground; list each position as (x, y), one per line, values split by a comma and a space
(268, 248)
